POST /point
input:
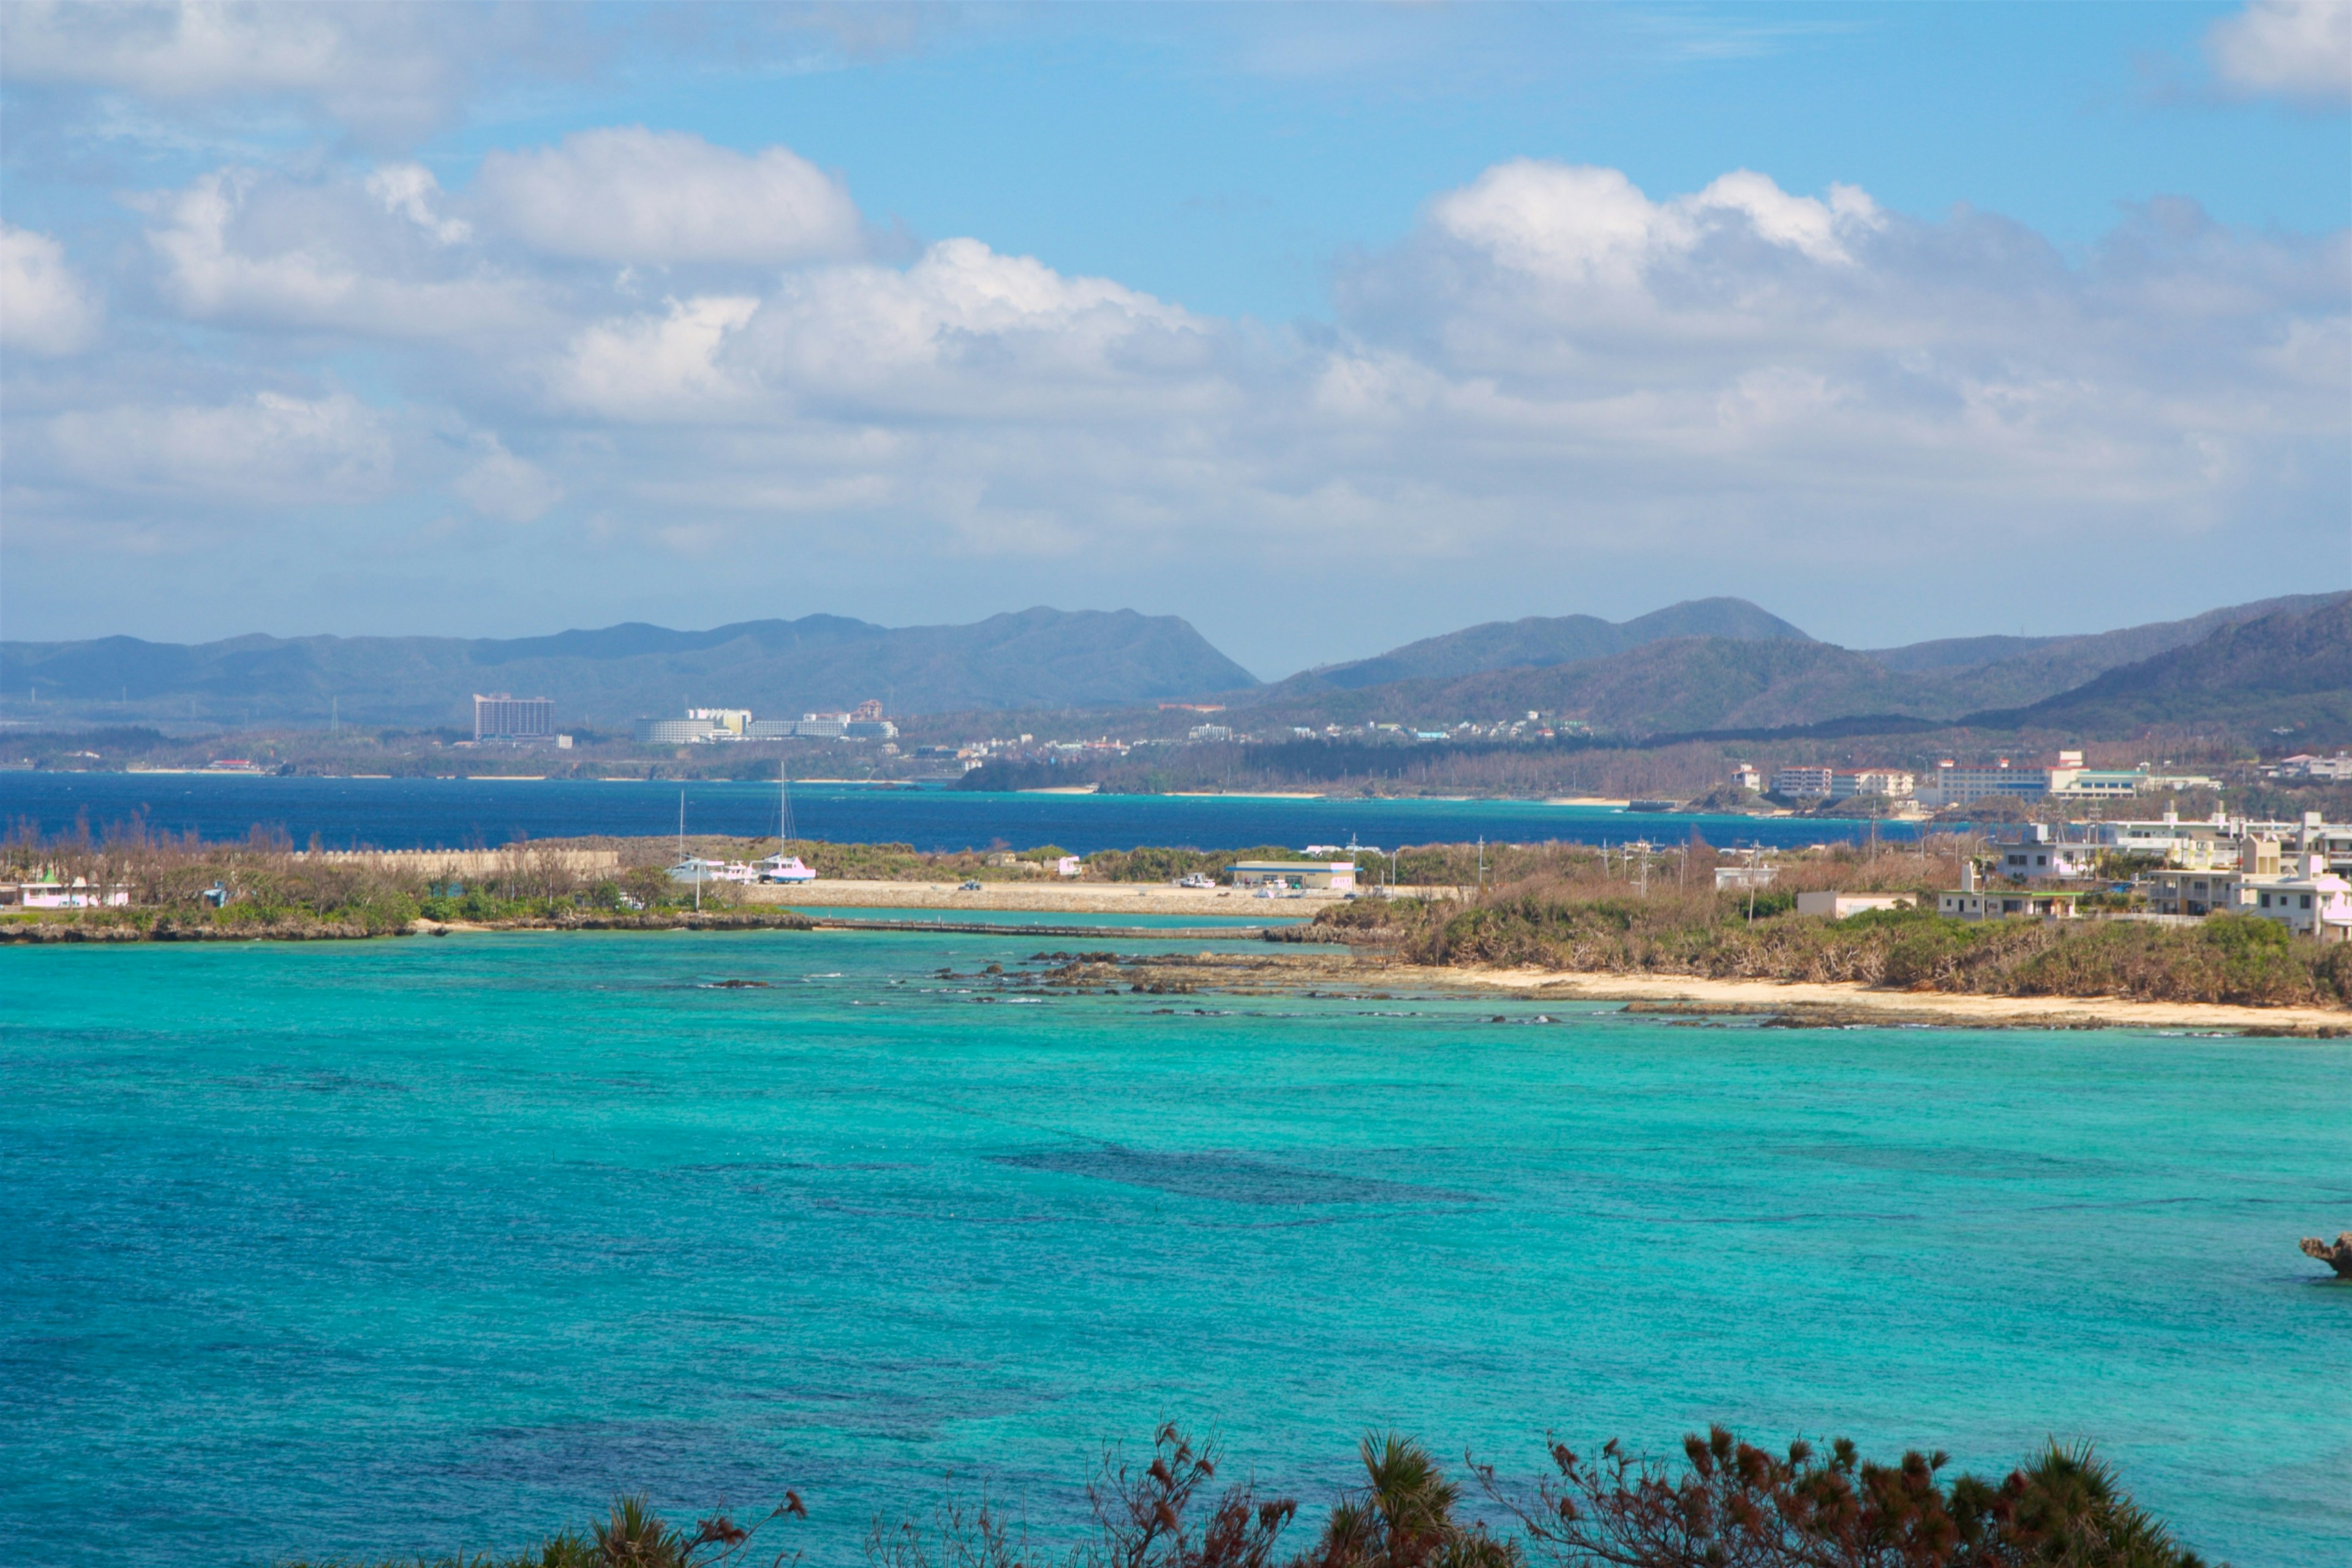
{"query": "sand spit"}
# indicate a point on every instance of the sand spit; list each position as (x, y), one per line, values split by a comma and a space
(1342, 971)
(1839, 1001)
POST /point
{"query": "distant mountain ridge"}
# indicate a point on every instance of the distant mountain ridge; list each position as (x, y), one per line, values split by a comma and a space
(1539, 640)
(1701, 667)
(2287, 669)
(1036, 657)
(2278, 657)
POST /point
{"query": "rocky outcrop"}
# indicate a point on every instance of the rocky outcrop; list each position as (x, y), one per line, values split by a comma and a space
(2338, 1257)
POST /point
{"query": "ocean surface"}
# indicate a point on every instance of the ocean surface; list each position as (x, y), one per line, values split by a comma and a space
(419, 1246)
(402, 814)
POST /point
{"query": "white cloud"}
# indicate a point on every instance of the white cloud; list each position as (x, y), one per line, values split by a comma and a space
(411, 191)
(365, 256)
(1556, 371)
(499, 485)
(389, 70)
(44, 308)
(964, 332)
(2299, 49)
(1594, 225)
(657, 367)
(269, 449)
(630, 195)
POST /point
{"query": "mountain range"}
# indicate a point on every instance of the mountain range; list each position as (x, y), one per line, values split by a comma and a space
(2276, 662)
(1038, 657)
(1704, 666)
(1541, 640)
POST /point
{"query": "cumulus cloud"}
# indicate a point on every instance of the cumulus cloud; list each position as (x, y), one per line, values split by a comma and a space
(2296, 49)
(411, 191)
(499, 485)
(657, 367)
(631, 194)
(388, 70)
(44, 308)
(962, 330)
(1742, 343)
(270, 448)
(365, 256)
(1555, 369)
(1592, 226)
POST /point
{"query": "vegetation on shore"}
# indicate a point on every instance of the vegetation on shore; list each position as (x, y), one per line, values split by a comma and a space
(1580, 913)
(179, 889)
(1724, 1503)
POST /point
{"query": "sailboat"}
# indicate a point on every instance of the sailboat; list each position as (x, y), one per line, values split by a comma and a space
(781, 867)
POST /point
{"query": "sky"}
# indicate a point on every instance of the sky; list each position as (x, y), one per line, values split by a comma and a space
(1326, 327)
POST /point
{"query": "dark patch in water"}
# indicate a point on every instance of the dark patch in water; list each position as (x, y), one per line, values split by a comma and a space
(1227, 1178)
(1996, 1165)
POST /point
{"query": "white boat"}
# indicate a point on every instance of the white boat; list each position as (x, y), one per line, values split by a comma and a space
(781, 867)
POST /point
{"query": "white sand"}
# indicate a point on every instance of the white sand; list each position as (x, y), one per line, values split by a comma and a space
(1941, 1007)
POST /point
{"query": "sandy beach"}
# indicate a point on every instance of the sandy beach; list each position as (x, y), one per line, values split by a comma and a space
(1863, 1003)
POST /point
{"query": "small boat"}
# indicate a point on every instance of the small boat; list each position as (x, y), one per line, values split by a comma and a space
(781, 867)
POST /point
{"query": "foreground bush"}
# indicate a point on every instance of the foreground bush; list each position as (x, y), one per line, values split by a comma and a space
(1724, 1504)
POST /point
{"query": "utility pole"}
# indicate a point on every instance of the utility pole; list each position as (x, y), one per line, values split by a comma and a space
(1482, 864)
(1754, 852)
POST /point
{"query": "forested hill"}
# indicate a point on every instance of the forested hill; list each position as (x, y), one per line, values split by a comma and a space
(1038, 657)
(2291, 666)
(1541, 640)
(2284, 671)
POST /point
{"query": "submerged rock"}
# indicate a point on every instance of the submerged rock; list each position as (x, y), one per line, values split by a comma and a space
(2338, 1257)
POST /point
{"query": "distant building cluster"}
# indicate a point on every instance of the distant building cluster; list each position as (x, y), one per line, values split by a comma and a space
(707, 726)
(1952, 782)
(2305, 768)
(1833, 784)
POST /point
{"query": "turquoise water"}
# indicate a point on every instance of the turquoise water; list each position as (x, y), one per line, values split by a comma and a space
(420, 1245)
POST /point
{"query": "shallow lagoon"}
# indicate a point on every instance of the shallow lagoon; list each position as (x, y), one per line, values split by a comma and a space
(421, 1245)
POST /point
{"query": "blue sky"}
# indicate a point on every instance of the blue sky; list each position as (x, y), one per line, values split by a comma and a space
(494, 321)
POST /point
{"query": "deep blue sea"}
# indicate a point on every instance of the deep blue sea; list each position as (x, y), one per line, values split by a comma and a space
(415, 1246)
(400, 814)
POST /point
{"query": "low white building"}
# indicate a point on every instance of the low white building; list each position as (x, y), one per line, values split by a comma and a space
(1971, 902)
(1837, 906)
(2318, 904)
(1805, 784)
(2035, 851)
(1889, 783)
(1336, 876)
(2312, 769)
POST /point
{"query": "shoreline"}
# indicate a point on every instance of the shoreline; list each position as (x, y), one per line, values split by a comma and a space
(1852, 1000)
(1260, 964)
